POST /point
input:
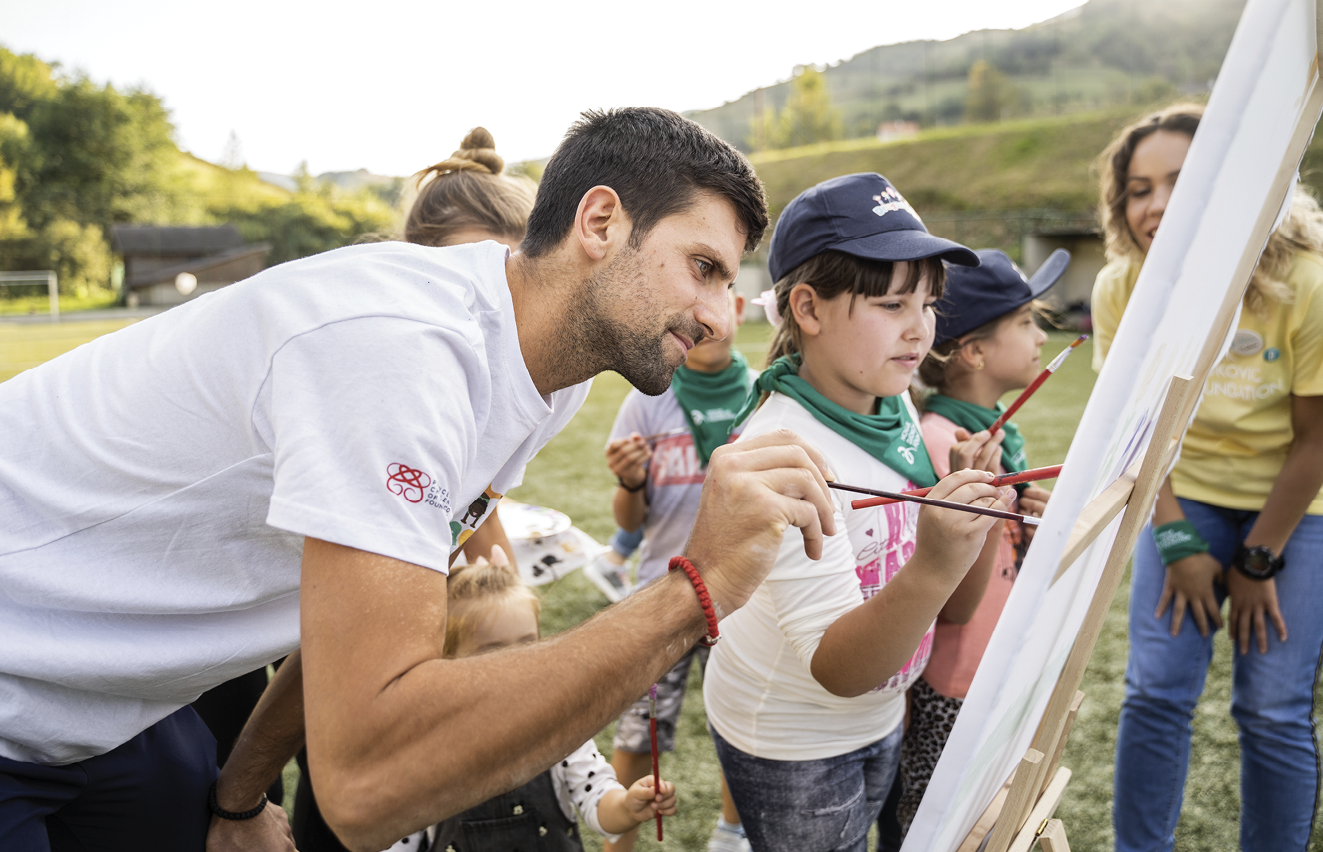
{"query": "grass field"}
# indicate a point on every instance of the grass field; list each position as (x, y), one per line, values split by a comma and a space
(571, 475)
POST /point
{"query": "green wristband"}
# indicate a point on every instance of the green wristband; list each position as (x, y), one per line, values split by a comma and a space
(1178, 540)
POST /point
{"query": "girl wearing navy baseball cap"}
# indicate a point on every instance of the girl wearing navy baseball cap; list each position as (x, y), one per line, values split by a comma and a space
(805, 693)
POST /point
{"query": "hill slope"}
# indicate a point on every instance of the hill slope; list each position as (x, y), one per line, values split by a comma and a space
(1107, 53)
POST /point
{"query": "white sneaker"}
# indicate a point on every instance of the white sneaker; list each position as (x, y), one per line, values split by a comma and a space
(725, 840)
(611, 579)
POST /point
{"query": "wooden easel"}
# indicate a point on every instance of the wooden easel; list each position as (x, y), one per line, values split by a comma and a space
(1021, 813)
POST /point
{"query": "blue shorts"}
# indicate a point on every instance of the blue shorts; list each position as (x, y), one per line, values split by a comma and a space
(823, 805)
(147, 795)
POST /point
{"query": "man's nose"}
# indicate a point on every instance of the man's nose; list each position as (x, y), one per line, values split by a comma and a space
(713, 313)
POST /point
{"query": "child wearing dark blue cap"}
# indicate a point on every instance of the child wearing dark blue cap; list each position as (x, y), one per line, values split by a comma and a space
(805, 693)
(987, 344)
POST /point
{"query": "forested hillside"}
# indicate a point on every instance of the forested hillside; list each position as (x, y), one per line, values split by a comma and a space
(1105, 54)
(77, 158)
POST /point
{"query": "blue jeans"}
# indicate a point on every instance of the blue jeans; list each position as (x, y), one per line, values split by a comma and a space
(1272, 698)
(810, 805)
(625, 543)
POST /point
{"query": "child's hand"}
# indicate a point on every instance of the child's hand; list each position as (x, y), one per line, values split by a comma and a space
(627, 456)
(950, 540)
(644, 803)
(980, 451)
(1033, 502)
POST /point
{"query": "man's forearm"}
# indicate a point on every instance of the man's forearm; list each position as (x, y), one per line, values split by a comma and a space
(448, 734)
(270, 738)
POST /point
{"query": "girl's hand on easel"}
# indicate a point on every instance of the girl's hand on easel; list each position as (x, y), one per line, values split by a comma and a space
(644, 803)
(1190, 581)
(979, 451)
(950, 539)
(1253, 604)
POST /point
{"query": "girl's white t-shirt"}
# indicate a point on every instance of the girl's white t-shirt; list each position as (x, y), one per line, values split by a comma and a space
(156, 484)
(759, 691)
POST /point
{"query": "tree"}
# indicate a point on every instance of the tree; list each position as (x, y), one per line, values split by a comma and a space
(807, 118)
(990, 93)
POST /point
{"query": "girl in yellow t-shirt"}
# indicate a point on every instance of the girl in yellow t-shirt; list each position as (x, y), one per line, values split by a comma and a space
(1240, 518)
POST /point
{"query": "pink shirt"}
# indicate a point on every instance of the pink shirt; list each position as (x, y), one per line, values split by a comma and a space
(957, 648)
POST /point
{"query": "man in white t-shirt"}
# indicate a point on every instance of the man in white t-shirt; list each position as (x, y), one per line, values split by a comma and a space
(292, 461)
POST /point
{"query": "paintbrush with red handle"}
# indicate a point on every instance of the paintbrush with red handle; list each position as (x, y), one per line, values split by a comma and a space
(944, 504)
(1034, 385)
(1035, 475)
(656, 765)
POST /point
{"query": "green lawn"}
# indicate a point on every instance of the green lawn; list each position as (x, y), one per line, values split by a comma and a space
(571, 475)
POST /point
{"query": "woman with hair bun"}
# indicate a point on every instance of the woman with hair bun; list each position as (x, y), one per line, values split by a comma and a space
(465, 198)
(1239, 518)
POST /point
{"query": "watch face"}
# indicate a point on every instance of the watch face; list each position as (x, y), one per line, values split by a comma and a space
(1260, 563)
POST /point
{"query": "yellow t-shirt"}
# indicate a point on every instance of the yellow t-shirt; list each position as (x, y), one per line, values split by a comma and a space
(1238, 441)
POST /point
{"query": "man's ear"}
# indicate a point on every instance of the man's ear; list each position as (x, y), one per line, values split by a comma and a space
(600, 223)
(804, 307)
(738, 307)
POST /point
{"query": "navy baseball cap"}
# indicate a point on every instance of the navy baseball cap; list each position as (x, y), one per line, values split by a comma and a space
(993, 289)
(861, 215)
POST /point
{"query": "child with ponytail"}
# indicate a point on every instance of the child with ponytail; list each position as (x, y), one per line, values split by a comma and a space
(988, 343)
(805, 692)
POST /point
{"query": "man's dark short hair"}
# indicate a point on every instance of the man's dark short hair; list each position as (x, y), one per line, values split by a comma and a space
(656, 160)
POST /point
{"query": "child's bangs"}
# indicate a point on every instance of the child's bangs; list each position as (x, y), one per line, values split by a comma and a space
(834, 272)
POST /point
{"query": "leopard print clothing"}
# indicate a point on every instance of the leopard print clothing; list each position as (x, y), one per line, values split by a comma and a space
(932, 715)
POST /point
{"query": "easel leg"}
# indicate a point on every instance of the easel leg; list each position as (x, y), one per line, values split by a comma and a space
(1053, 838)
(1170, 422)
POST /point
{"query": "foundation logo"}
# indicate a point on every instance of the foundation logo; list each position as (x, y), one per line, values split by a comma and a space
(408, 482)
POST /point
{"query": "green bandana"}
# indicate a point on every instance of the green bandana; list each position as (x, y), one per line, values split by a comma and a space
(891, 436)
(976, 418)
(709, 402)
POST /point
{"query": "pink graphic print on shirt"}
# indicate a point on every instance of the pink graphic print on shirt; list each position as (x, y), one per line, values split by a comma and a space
(889, 536)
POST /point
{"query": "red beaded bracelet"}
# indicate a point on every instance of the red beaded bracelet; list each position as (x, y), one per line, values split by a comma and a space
(704, 599)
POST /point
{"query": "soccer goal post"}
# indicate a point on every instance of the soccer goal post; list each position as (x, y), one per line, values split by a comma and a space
(36, 277)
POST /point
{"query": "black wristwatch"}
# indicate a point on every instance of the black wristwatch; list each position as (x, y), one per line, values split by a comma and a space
(1257, 563)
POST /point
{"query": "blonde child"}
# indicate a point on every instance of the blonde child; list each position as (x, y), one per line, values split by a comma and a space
(489, 608)
(988, 343)
(805, 691)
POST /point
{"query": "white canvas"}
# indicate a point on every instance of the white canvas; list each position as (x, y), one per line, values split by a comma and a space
(1227, 180)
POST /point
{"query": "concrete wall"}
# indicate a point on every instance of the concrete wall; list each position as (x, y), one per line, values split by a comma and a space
(1086, 261)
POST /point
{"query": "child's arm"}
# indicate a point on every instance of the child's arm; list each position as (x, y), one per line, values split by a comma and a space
(964, 601)
(587, 783)
(891, 624)
(622, 810)
(979, 451)
(628, 458)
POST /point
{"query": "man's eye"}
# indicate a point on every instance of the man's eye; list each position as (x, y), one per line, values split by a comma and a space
(704, 267)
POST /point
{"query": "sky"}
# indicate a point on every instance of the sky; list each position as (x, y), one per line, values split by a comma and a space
(393, 85)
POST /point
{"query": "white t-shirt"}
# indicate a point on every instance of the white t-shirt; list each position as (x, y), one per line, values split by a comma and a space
(675, 476)
(759, 691)
(156, 484)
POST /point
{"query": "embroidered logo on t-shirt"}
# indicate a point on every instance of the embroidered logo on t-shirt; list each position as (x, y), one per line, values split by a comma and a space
(408, 482)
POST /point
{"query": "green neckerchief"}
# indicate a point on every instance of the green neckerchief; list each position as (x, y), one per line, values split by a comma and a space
(709, 402)
(976, 418)
(891, 436)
